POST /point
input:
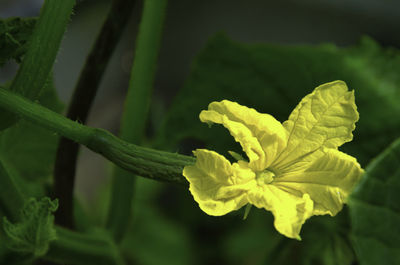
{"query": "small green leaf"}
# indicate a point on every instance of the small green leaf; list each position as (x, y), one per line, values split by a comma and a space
(375, 210)
(236, 155)
(247, 211)
(36, 227)
(14, 35)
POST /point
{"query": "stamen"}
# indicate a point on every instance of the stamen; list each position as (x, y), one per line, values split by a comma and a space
(265, 177)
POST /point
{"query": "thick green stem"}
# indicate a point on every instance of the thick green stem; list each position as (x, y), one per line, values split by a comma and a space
(43, 116)
(43, 46)
(136, 109)
(145, 162)
(82, 99)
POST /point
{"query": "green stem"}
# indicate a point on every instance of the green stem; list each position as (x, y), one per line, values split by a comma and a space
(145, 162)
(69, 247)
(137, 102)
(11, 199)
(82, 99)
(80, 249)
(136, 108)
(43, 46)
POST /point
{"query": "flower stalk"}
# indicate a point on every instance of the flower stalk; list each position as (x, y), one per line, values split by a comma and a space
(145, 162)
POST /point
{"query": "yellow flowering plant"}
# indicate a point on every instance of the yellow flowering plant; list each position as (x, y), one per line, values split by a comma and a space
(294, 169)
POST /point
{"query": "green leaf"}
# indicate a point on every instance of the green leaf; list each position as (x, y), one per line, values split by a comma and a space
(243, 244)
(151, 232)
(273, 78)
(35, 69)
(14, 35)
(11, 198)
(333, 245)
(27, 151)
(324, 241)
(36, 228)
(375, 210)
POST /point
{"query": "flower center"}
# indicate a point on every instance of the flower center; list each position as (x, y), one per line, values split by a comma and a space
(265, 177)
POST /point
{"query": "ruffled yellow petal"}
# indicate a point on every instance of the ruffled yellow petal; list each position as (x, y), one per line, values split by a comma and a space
(240, 132)
(328, 181)
(261, 136)
(290, 211)
(217, 185)
(295, 170)
(324, 118)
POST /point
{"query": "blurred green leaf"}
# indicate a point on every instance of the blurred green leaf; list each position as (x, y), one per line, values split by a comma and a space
(254, 241)
(325, 241)
(28, 151)
(152, 239)
(375, 210)
(11, 198)
(14, 35)
(35, 230)
(273, 79)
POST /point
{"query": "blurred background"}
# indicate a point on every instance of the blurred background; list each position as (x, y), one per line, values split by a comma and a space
(178, 232)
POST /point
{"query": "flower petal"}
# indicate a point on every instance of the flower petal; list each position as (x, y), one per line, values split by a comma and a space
(261, 136)
(290, 211)
(217, 185)
(328, 181)
(324, 118)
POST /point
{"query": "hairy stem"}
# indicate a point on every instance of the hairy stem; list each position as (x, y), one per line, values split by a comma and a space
(82, 99)
(43, 46)
(136, 108)
(145, 162)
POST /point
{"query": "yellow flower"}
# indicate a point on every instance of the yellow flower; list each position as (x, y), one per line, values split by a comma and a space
(294, 169)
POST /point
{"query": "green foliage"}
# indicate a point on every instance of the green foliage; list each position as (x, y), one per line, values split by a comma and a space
(19, 142)
(150, 231)
(273, 78)
(168, 227)
(14, 43)
(35, 69)
(36, 228)
(27, 155)
(375, 210)
(14, 36)
(333, 247)
(11, 197)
